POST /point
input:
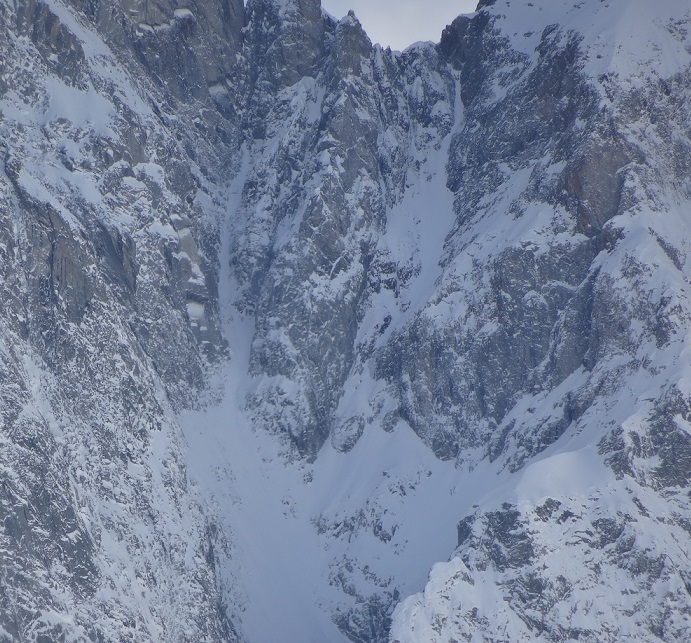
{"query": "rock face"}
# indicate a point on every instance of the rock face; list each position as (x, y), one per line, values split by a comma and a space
(464, 273)
(110, 321)
(306, 257)
(561, 352)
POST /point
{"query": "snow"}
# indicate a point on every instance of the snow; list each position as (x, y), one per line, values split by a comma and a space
(286, 517)
(195, 310)
(240, 470)
(84, 109)
(183, 13)
(575, 473)
(627, 38)
(270, 506)
(387, 506)
(294, 524)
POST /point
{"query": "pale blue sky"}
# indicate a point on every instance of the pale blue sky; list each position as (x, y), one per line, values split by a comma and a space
(399, 23)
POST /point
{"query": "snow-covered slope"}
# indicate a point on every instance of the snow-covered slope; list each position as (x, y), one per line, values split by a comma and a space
(288, 319)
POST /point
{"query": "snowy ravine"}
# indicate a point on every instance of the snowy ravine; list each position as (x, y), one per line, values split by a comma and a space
(306, 340)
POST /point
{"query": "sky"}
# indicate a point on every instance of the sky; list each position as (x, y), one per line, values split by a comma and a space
(399, 23)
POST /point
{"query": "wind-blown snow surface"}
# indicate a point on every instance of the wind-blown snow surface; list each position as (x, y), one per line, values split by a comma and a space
(403, 306)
